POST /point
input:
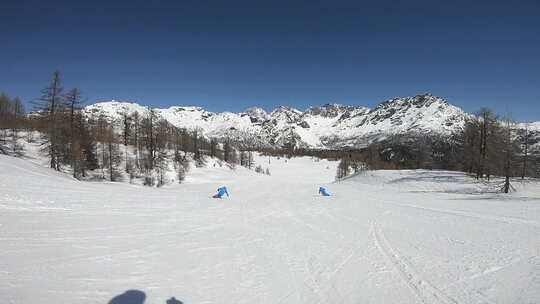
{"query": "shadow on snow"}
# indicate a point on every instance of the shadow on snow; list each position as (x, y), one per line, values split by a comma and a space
(137, 297)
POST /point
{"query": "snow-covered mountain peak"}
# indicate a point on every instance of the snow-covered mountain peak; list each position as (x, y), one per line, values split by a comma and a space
(257, 114)
(286, 114)
(114, 108)
(327, 110)
(424, 100)
(422, 114)
(285, 109)
(326, 126)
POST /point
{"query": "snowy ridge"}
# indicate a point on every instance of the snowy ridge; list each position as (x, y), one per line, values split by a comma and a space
(327, 127)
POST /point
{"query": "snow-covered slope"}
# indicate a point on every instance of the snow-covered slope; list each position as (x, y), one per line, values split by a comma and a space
(328, 126)
(382, 237)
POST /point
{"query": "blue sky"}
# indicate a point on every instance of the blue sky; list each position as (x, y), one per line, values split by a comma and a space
(231, 55)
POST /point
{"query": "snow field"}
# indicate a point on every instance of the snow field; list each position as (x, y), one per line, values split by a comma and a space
(383, 237)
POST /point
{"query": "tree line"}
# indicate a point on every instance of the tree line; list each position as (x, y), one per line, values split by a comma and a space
(488, 145)
(144, 145)
(138, 145)
(11, 123)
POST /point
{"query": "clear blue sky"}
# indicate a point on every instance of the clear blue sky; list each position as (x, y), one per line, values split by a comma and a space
(231, 55)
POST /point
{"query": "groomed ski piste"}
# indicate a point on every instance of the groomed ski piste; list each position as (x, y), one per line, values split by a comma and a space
(381, 237)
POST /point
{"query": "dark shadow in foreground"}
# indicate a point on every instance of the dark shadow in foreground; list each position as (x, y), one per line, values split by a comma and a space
(173, 300)
(129, 297)
(137, 297)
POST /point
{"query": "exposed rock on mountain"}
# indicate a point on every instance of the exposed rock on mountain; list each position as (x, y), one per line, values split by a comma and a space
(329, 126)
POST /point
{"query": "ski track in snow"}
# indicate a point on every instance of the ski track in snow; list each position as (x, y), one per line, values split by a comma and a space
(425, 291)
(504, 219)
(272, 241)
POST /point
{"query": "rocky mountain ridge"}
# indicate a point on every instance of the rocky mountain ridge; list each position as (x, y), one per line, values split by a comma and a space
(331, 126)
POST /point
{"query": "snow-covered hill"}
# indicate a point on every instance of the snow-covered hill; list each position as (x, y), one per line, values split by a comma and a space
(382, 237)
(327, 126)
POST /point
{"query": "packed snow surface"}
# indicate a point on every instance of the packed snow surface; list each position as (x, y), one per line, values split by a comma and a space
(382, 237)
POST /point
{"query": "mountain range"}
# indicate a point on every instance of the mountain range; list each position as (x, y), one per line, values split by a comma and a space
(331, 126)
